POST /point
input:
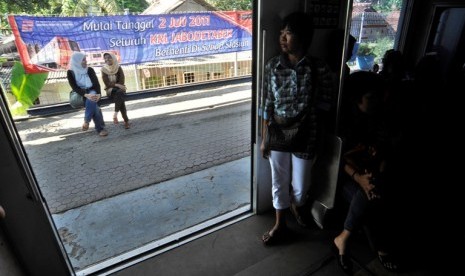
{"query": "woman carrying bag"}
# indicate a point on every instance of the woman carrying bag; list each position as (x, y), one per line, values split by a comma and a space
(298, 91)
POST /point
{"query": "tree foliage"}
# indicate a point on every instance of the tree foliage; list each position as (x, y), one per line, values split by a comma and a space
(387, 5)
(366, 49)
(382, 45)
(134, 6)
(23, 6)
(230, 5)
(70, 7)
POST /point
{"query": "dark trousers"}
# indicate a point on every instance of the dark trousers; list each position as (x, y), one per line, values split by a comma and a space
(118, 96)
(369, 214)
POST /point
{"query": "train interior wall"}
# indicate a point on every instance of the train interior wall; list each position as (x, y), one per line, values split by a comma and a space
(431, 212)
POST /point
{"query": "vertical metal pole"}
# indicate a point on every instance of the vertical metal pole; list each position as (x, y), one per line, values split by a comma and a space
(137, 78)
(347, 23)
(235, 65)
(361, 28)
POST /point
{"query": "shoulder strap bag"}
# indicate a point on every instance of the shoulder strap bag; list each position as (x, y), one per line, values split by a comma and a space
(75, 99)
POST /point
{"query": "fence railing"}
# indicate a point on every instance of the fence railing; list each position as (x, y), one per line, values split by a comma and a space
(150, 76)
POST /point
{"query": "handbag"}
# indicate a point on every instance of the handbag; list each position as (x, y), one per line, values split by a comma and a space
(286, 134)
(76, 100)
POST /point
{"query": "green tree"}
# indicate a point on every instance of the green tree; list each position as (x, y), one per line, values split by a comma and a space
(134, 6)
(72, 7)
(366, 49)
(230, 5)
(20, 6)
(382, 45)
(55, 7)
(387, 5)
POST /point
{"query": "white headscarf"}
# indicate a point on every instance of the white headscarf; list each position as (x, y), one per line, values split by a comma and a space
(80, 73)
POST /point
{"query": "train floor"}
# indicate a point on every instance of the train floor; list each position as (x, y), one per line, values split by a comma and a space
(238, 250)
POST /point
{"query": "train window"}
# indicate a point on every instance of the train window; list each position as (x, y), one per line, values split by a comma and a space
(375, 25)
(446, 38)
(74, 46)
(171, 80)
(189, 77)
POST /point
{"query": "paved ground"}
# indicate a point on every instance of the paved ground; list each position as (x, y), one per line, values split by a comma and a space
(102, 233)
(171, 136)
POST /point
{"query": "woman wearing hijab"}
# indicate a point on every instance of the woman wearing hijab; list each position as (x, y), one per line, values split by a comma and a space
(84, 81)
(113, 77)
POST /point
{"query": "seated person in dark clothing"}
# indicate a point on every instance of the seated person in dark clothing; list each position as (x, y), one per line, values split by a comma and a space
(394, 68)
(365, 158)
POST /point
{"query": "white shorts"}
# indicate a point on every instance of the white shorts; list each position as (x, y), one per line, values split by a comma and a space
(289, 171)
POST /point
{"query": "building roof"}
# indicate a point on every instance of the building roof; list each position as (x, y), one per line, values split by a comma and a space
(7, 45)
(373, 24)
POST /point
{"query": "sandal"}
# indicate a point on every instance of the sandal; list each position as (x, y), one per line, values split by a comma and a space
(344, 261)
(126, 125)
(297, 216)
(279, 235)
(389, 262)
(115, 120)
(103, 133)
(85, 126)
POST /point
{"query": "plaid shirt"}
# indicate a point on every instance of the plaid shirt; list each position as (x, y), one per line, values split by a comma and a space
(290, 90)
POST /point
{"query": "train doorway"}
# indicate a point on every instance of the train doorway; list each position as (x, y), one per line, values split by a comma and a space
(184, 166)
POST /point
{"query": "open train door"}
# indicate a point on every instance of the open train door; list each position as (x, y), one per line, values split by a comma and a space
(267, 17)
(28, 224)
